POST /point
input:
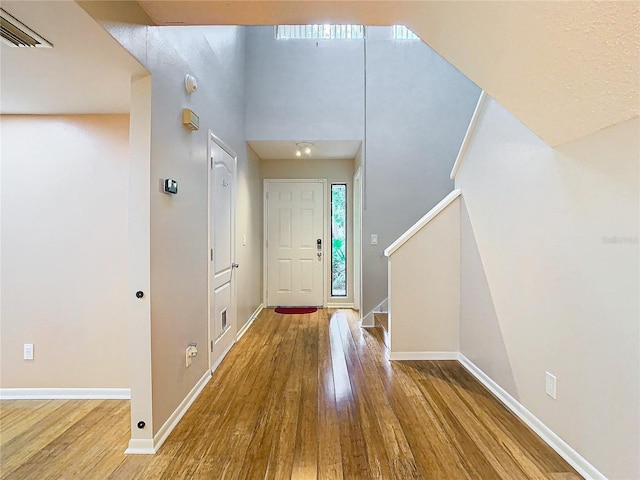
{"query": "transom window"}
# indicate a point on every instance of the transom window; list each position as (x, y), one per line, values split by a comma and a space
(319, 32)
(400, 32)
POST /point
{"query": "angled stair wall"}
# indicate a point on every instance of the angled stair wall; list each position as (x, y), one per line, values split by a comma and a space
(424, 284)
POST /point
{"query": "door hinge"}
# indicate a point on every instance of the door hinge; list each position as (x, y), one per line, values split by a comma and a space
(212, 254)
(211, 163)
(212, 345)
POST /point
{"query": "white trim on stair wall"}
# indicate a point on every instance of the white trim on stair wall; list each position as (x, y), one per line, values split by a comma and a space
(563, 449)
(65, 394)
(420, 224)
(467, 136)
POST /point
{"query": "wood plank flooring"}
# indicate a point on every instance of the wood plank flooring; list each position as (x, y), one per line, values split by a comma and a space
(300, 397)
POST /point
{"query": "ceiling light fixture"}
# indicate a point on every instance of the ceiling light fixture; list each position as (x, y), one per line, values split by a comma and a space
(304, 148)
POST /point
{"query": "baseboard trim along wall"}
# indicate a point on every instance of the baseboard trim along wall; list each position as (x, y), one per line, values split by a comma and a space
(424, 355)
(65, 393)
(152, 446)
(572, 457)
(140, 446)
(252, 318)
(339, 306)
(217, 363)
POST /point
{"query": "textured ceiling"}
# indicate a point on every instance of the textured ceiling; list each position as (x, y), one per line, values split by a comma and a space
(565, 69)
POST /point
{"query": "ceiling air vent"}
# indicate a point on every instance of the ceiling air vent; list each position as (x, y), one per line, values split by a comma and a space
(16, 34)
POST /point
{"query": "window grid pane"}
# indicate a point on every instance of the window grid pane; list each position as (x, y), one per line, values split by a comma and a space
(319, 32)
(338, 240)
(400, 32)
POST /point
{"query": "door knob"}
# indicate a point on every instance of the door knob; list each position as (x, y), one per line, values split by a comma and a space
(235, 265)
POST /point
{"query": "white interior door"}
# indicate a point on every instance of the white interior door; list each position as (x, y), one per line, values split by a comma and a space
(222, 301)
(295, 243)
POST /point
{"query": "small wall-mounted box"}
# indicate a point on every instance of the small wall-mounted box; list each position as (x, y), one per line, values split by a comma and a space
(190, 119)
(170, 186)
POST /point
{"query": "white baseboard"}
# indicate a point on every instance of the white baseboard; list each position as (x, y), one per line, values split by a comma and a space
(152, 446)
(139, 446)
(217, 363)
(339, 305)
(572, 457)
(252, 318)
(65, 393)
(424, 356)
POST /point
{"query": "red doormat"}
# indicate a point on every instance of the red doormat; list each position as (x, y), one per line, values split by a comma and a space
(296, 310)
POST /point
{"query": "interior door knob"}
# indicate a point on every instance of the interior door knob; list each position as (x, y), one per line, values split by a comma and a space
(235, 265)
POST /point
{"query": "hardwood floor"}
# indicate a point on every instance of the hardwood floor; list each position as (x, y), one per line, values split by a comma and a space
(299, 396)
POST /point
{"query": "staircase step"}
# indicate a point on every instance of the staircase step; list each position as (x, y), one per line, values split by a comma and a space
(382, 320)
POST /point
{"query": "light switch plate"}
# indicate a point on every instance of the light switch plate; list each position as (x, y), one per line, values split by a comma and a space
(374, 239)
(550, 385)
(28, 351)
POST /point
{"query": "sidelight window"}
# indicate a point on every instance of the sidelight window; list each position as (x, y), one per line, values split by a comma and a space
(338, 240)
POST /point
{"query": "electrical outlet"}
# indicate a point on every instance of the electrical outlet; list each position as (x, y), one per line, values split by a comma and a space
(188, 357)
(550, 385)
(28, 351)
(190, 352)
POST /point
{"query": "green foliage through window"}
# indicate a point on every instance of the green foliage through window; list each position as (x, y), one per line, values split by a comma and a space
(338, 240)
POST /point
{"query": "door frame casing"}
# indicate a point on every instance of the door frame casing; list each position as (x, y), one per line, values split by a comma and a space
(357, 239)
(211, 140)
(265, 233)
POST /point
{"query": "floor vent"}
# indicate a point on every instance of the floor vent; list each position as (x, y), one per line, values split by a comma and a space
(16, 34)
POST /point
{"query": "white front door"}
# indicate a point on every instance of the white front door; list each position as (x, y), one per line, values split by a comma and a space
(222, 301)
(295, 243)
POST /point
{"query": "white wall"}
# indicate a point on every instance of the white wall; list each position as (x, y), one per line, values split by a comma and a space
(334, 171)
(178, 235)
(179, 249)
(249, 220)
(418, 109)
(65, 250)
(303, 89)
(550, 279)
(424, 289)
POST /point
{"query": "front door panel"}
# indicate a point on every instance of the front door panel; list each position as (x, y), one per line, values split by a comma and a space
(295, 258)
